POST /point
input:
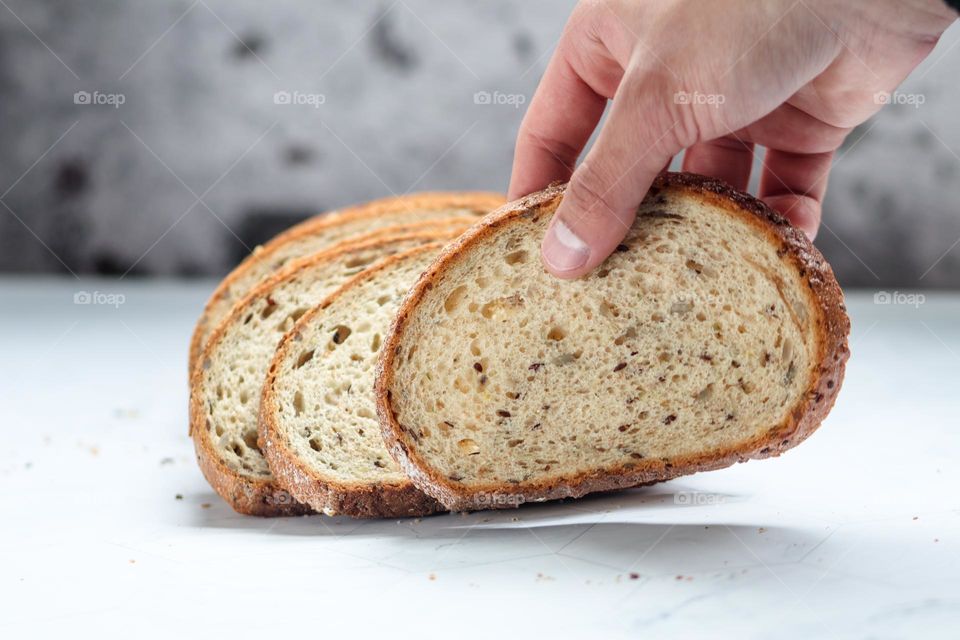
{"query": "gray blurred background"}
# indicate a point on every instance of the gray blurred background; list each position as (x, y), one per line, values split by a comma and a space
(168, 137)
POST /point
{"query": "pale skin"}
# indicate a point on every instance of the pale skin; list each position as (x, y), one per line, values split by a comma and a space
(713, 79)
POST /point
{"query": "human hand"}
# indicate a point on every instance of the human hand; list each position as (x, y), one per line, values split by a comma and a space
(713, 79)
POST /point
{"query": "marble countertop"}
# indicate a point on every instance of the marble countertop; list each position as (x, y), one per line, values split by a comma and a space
(109, 527)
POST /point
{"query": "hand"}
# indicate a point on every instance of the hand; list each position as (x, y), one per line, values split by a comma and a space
(712, 78)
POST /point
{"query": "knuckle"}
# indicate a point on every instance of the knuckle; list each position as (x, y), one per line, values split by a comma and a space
(589, 193)
(562, 151)
(669, 126)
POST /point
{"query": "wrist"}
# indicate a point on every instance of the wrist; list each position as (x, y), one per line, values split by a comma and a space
(941, 13)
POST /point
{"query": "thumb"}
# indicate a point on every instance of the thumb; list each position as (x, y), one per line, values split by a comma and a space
(601, 199)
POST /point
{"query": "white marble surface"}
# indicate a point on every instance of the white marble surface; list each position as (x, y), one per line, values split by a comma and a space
(855, 534)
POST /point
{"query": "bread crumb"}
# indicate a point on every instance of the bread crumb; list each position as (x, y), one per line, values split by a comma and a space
(179, 496)
(544, 578)
(166, 461)
(634, 576)
(432, 576)
(132, 561)
(205, 505)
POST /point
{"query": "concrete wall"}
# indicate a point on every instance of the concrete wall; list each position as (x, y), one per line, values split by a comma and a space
(199, 162)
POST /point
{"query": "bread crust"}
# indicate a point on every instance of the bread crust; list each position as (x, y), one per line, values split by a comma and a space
(304, 484)
(265, 497)
(477, 200)
(823, 294)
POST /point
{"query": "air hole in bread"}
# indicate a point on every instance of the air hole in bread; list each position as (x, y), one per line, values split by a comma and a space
(517, 257)
(298, 405)
(359, 260)
(705, 394)
(316, 444)
(382, 300)
(297, 314)
(250, 439)
(694, 266)
(375, 343)
(340, 333)
(556, 334)
(304, 358)
(453, 300)
(468, 447)
(268, 310)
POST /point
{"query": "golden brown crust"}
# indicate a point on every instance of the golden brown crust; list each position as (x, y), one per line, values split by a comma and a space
(824, 295)
(304, 484)
(479, 201)
(264, 497)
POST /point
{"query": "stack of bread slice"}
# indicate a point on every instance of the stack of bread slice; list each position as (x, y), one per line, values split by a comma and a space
(412, 355)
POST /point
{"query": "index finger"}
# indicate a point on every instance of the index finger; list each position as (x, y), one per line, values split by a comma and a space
(563, 113)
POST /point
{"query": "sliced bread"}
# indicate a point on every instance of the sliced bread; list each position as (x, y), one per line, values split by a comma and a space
(320, 232)
(716, 333)
(318, 425)
(225, 389)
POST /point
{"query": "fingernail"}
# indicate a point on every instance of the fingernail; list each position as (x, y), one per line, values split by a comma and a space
(563, 250)
(810, 230)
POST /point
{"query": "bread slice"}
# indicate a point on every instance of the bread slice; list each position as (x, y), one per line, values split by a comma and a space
(225, 390)
(323, 231)
(318, 426)
(716, 333)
